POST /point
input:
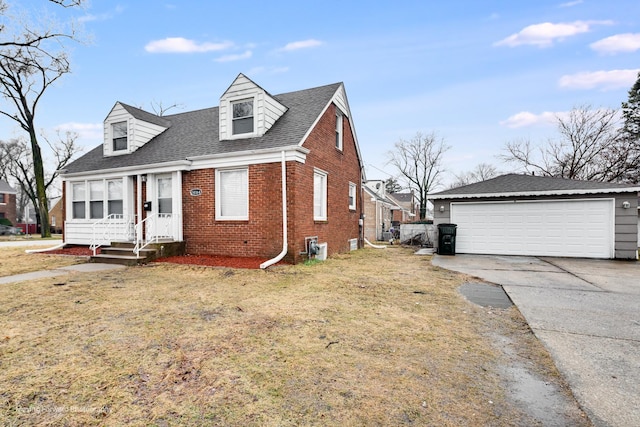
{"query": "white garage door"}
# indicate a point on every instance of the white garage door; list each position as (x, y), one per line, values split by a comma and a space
(564, 228)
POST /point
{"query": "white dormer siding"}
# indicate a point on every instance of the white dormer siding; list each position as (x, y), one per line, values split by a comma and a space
(340, 99)
(266, 109)
(138, 133)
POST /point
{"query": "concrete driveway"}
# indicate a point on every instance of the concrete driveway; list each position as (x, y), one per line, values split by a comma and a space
(587, 313)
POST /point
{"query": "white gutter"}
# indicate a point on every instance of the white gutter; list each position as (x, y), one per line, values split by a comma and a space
(284, 218)
(374, 246)
(53, 248)
(536, 193)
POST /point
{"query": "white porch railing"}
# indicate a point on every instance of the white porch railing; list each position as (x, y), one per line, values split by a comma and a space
(112, 227)
(156, 227)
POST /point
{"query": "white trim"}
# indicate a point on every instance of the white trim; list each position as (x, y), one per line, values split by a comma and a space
(536, 193)
(353, 186)
(325, 204)
(339, 129)
(218, 195)
(241, 158)
(230, 102)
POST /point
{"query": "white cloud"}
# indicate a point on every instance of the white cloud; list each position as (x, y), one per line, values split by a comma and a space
(92, 131)
(603, 80)
(571, 3)
(103, 16)
(545, 34)
(302, 44)
(182, 45)
(236, 57)
(526, 119)
(627, 42)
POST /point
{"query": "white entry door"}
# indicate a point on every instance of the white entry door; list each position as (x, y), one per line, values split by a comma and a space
(161, 226)
(562, 228)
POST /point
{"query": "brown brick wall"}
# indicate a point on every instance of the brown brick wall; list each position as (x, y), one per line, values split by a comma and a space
(261, 235)
(8, 207)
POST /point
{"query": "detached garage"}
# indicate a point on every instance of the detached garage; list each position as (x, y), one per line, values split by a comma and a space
(542, 216)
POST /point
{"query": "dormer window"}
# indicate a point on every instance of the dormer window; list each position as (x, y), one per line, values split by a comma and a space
(242, 116)
(119, 135)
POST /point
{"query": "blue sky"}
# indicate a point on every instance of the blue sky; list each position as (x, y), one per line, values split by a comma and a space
(477, 73)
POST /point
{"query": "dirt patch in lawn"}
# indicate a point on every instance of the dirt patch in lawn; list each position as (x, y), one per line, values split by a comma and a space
(374, 337)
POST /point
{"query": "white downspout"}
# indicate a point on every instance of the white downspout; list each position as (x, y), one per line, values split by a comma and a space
(284, 219)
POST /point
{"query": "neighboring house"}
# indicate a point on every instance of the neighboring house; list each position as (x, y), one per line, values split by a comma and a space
(409, 207)
(56, 218)
(8, 202)
(542, 216)
(212, 178)
(378, 211)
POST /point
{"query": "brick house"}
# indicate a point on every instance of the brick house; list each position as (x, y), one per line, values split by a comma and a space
(8, 202)
(213, 178)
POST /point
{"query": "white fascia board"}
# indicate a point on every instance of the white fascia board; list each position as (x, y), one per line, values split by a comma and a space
(536, 193)
(250, 157)
(130, 170)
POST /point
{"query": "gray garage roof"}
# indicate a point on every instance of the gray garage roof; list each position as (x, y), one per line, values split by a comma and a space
(195, 133)
(529, 185)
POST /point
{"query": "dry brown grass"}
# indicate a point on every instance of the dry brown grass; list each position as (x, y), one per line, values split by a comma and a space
(375, 337)
(15, 260)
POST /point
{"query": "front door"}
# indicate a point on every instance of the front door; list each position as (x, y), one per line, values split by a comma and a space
(162, 224)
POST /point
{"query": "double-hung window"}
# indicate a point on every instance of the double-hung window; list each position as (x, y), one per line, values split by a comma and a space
(96, 199)
(352, 196)
(232, 194)
(242, 119)
(78, 200)
(339, 130)
(114, 197)
(119, 136)
(319, 195)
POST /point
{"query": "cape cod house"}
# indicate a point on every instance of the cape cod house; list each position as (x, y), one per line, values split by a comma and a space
(257, 176)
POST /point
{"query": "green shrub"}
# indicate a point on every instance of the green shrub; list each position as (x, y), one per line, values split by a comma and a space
(5, 221)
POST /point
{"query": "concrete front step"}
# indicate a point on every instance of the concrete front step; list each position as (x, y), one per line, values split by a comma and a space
(119, 259)
(122, 252)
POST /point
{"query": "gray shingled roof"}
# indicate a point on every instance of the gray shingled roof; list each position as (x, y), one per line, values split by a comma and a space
(6, 188)
(516, 184)
(195, 133)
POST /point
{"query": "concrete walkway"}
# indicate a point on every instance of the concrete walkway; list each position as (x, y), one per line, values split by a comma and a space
(83, 268)
(587, 314)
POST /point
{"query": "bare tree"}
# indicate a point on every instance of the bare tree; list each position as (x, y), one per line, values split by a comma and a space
(161, 110)
(18, 164)
(481, 172)
(589, 148)
(31, 60)
(419, 161)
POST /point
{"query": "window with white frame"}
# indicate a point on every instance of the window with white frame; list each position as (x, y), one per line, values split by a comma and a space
(352, 196)
(96, 199)
(232, 194)
(119, 136)
(114, 197)
(319, 195)
(242, 117)
(338, 130)
(78, 200)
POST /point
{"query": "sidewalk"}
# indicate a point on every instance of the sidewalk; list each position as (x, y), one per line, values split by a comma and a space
(82, 268)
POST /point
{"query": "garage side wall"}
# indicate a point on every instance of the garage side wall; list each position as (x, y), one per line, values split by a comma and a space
(626, 219)
(626, 246)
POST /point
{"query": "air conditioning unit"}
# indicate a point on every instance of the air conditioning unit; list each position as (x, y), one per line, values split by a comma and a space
(322, 254)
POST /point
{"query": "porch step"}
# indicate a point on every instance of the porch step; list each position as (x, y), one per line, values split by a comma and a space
(119, 259)
(122, 252)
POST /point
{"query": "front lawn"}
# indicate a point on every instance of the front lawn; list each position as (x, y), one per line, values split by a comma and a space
(374, 337)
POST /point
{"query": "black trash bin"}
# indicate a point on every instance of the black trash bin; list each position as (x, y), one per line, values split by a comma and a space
(447, 239)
